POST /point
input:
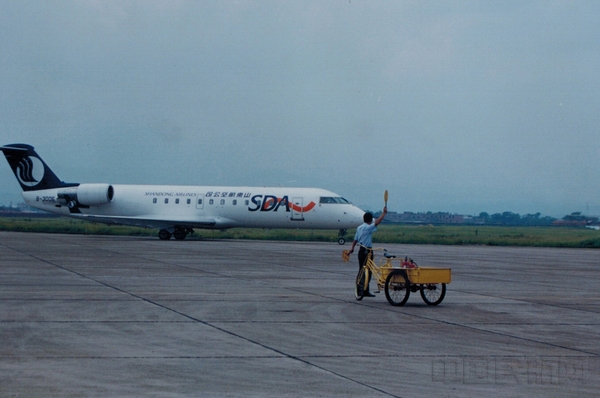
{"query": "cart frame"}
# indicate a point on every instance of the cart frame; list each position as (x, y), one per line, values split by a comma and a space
(399, 281)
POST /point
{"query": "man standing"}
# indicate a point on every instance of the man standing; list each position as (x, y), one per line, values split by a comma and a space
(364, 237)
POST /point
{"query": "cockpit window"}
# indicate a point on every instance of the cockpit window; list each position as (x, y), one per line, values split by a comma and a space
(329, 199)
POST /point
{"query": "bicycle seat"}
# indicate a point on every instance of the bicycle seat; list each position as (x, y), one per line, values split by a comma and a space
(386, 255)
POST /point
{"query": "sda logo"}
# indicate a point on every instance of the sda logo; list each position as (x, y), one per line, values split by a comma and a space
(30, 171)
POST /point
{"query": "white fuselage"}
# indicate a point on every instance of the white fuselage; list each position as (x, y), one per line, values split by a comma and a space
(213, 207)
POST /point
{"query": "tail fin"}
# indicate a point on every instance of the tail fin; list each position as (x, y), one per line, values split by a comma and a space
(31, 171)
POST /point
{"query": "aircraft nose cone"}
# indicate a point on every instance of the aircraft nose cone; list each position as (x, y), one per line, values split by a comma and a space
(357, 215)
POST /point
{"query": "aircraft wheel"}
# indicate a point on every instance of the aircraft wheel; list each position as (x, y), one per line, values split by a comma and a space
(180, 234)
(163, 234)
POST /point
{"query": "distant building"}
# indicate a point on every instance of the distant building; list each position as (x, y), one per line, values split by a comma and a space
(576, 220)
(570, 223)
(20, 208)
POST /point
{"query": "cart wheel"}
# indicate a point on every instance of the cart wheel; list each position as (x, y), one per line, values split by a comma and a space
(163, 234)
(359, 288)
(397, 288)
(433, 293)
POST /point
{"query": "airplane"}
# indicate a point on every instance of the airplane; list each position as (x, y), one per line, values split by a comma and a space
(175, 209)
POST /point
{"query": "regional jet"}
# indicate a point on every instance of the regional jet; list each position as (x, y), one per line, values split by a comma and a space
(177, 210)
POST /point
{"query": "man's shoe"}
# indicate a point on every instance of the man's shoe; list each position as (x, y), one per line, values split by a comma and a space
(367, 294)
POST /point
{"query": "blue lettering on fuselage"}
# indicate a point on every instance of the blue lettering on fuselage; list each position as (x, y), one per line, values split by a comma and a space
(268, 203)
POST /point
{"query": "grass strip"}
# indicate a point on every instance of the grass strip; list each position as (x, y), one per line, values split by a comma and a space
(387, 233)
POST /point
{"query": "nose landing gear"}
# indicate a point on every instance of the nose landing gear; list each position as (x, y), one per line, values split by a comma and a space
(341, 234)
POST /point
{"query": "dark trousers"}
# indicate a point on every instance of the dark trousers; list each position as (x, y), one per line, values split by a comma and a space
(363, 254)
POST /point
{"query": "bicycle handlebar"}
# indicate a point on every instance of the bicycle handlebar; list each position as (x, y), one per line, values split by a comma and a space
(385, 254)
(371, 248)
(406, 263)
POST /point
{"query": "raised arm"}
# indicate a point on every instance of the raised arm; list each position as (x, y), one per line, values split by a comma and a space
(381, 217)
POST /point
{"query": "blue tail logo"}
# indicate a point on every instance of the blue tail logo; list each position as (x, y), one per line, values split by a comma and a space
(31, 171)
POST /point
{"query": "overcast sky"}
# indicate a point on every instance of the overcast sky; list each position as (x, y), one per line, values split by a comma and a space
(454, 106)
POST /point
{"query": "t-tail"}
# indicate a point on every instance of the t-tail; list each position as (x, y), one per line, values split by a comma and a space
(31, 171)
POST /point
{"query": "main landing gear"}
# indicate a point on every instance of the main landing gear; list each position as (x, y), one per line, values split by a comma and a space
(178, 233)
(181, 234)
(341, 235)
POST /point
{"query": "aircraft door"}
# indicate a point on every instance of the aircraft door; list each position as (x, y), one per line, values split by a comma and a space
(200, 201)
(297, 209)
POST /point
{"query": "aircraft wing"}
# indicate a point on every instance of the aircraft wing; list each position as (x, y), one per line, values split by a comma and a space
(152, 221)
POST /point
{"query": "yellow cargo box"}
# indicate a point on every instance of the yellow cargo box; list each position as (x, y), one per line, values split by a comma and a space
(429, 275)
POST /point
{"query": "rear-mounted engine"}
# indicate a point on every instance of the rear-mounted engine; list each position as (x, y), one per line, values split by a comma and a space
(86, 195)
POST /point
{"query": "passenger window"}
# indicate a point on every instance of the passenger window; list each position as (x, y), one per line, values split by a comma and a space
(246, 202)
(166, 200)
(154, 200)
(234, 202)
(177, 201)
(189, 201)
(200, 201)
(210, 202)
(222, 201)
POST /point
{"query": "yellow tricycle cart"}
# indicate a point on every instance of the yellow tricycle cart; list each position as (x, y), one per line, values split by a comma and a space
(401, 279)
